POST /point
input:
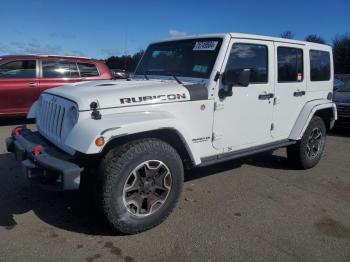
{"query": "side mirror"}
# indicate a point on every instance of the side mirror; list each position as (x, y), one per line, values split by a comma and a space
(233, 78)
(236, 77)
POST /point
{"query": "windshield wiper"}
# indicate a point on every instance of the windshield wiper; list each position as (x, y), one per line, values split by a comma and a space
(177, 80)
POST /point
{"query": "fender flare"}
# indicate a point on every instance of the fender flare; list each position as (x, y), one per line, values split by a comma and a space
(306, 114)
(115, 126)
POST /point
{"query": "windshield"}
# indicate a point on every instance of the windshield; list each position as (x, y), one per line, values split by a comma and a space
(344, 89)
(188, 58)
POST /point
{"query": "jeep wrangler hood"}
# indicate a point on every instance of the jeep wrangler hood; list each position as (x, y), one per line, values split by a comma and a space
(118, 93)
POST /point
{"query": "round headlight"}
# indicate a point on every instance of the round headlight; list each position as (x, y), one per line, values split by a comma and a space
(73, 115)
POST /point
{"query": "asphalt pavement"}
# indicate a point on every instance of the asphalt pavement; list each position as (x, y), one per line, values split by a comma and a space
(255, 209)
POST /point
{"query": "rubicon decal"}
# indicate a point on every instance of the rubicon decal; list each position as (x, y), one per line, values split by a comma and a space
(128, 100)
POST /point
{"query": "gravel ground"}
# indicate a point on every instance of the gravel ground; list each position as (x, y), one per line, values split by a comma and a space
(254, 209)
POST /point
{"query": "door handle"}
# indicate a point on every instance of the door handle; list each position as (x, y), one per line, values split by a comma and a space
(32, 84)
(299, 93)
(266, 96)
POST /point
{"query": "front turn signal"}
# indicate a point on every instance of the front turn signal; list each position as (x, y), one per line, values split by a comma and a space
(100, 141)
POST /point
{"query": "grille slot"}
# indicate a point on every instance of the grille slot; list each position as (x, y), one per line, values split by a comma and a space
(343, 110)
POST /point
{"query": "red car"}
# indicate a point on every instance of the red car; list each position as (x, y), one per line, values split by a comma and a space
(23, 78)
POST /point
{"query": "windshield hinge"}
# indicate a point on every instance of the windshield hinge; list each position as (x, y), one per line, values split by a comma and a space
(218, 106)
(217, 76)
(217, 136)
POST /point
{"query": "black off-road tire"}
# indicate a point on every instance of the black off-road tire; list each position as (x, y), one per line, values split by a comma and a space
(114, 171)
(298, 153)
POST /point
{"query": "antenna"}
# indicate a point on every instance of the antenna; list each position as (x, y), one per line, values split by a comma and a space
(125, 46)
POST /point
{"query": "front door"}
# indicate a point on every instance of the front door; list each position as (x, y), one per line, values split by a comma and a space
(244, 119)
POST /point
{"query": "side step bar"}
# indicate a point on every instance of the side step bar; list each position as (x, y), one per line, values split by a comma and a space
(245, 152)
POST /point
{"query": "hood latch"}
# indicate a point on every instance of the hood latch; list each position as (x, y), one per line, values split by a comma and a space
(95, 114)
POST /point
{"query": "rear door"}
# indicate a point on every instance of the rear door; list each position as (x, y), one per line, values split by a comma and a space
(56, 72)
(18, 82)
(290, 87)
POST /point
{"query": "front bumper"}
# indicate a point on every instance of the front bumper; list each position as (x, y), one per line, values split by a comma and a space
(42, 161)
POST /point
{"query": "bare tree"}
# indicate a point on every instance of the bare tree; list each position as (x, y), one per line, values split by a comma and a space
(341, 54)
(287, 34)
(315, 39)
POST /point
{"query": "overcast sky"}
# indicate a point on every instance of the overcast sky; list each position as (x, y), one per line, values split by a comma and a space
(103, 28)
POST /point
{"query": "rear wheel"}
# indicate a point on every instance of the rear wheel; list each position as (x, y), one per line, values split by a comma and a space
(141, 184)
(307, 152)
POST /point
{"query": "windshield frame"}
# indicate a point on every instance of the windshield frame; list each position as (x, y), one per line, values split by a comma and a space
(193, 75)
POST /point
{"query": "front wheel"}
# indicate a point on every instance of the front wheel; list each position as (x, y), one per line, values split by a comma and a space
(307, 152)
(141, 184)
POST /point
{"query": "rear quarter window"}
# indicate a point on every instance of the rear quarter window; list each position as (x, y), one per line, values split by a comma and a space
(88, 70)
(320, 65)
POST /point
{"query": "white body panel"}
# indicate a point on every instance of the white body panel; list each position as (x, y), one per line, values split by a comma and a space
(209, 126)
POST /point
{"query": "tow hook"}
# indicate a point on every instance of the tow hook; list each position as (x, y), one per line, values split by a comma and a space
(37, 150)
(95, 114)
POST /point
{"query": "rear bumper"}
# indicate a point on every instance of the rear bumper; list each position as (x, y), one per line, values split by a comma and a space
(43, 162)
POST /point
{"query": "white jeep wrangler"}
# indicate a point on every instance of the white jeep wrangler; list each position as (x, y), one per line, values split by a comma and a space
(192, 102)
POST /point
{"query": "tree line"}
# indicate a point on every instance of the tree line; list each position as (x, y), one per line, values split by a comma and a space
(125, 62)
(341, 49)
(340, 44)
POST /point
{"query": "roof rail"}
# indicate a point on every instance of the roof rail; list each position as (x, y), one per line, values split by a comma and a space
(42, 55)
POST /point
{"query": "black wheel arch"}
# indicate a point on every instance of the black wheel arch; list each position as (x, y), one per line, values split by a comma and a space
(327, 116)
(169, 135)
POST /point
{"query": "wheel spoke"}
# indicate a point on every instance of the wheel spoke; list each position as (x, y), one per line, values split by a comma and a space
(152, 201)
(133, 183)
(318, 136)
(134, 203)
(160, 177)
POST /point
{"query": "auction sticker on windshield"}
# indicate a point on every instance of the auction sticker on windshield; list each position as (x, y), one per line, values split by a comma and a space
(205, 46)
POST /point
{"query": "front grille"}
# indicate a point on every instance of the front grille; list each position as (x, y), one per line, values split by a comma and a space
(343, 110)
(50, 120)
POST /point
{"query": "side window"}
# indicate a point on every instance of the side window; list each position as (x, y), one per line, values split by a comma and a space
(18, 69)
(290, 64)
(320, 65)
(249, 56)
(59, 69)
(88, 70)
